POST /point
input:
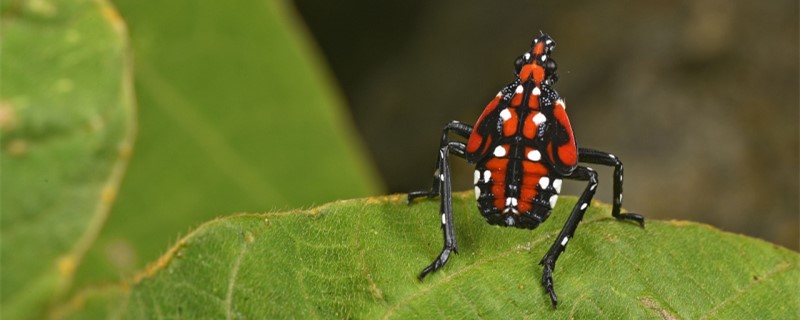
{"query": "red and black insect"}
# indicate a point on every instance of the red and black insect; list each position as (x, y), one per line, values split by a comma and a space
(522, 148)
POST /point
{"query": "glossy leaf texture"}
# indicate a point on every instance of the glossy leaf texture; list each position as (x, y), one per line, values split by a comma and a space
(68, 125)
(360, 259)
(237, 114)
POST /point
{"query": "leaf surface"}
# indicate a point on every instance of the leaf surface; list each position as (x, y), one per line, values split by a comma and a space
(360, 259)
(67, 124)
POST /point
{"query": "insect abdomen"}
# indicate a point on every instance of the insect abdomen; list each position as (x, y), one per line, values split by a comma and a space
(513, 187)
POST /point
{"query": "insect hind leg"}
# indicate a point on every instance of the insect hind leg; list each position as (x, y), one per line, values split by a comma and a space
(607, 159)
(445, 208)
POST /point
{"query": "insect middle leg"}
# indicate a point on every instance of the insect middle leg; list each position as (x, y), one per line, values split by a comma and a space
(548, 262)
(459, 128)
(445, 207)
(607, 159)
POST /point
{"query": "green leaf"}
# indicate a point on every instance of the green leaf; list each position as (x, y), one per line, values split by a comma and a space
(237, 114)
(360, 259)
(67, 124)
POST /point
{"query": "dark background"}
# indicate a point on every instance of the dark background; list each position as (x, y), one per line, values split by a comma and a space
(699, 98)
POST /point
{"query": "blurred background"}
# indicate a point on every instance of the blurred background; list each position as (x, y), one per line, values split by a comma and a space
(699, 98)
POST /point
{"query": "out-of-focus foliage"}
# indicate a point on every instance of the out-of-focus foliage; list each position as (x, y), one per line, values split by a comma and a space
(67, 124)
(237, 114)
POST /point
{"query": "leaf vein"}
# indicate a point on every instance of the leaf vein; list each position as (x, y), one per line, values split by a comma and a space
(300, 277)
(781, 268)
(234, 273)
(362, 261)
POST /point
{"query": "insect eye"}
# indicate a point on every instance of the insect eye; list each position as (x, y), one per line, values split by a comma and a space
(550, 66)
(518, 64)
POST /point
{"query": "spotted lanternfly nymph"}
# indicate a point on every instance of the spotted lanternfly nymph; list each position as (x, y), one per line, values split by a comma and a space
(522, 147)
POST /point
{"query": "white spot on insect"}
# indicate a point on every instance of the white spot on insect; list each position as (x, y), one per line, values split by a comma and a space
(509, 221)
(561, 102)
(557, 185)
(539, 118)
(519, 89)
(583, 206)
(536, 40)
(536, 91)
(564, 241)
(505, 114)
(477, 193)
(499, 93)
(534, 155)
(612, 156)
(512, 202)
(548, 42)
(444, 219)
(487, 175)
(526, 56)
(544, 182)
(477, 177)
(553, 200)
(499, 151)
(441, 177)
(620, 197)
(544, 57)
(592, 187)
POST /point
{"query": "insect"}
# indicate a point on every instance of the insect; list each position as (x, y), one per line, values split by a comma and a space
(522, 147)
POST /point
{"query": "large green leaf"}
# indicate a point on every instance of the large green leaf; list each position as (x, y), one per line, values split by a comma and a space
(236, 114)
(67, 123)
(360, 258)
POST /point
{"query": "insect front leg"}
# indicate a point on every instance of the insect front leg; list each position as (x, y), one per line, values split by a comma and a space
(548, 262)
(459, 128)
(607, 159)
(445, 207)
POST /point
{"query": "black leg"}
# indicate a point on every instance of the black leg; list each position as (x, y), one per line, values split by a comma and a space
(446, 207)
(459, 128)
(607, 159)
(549, 260)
